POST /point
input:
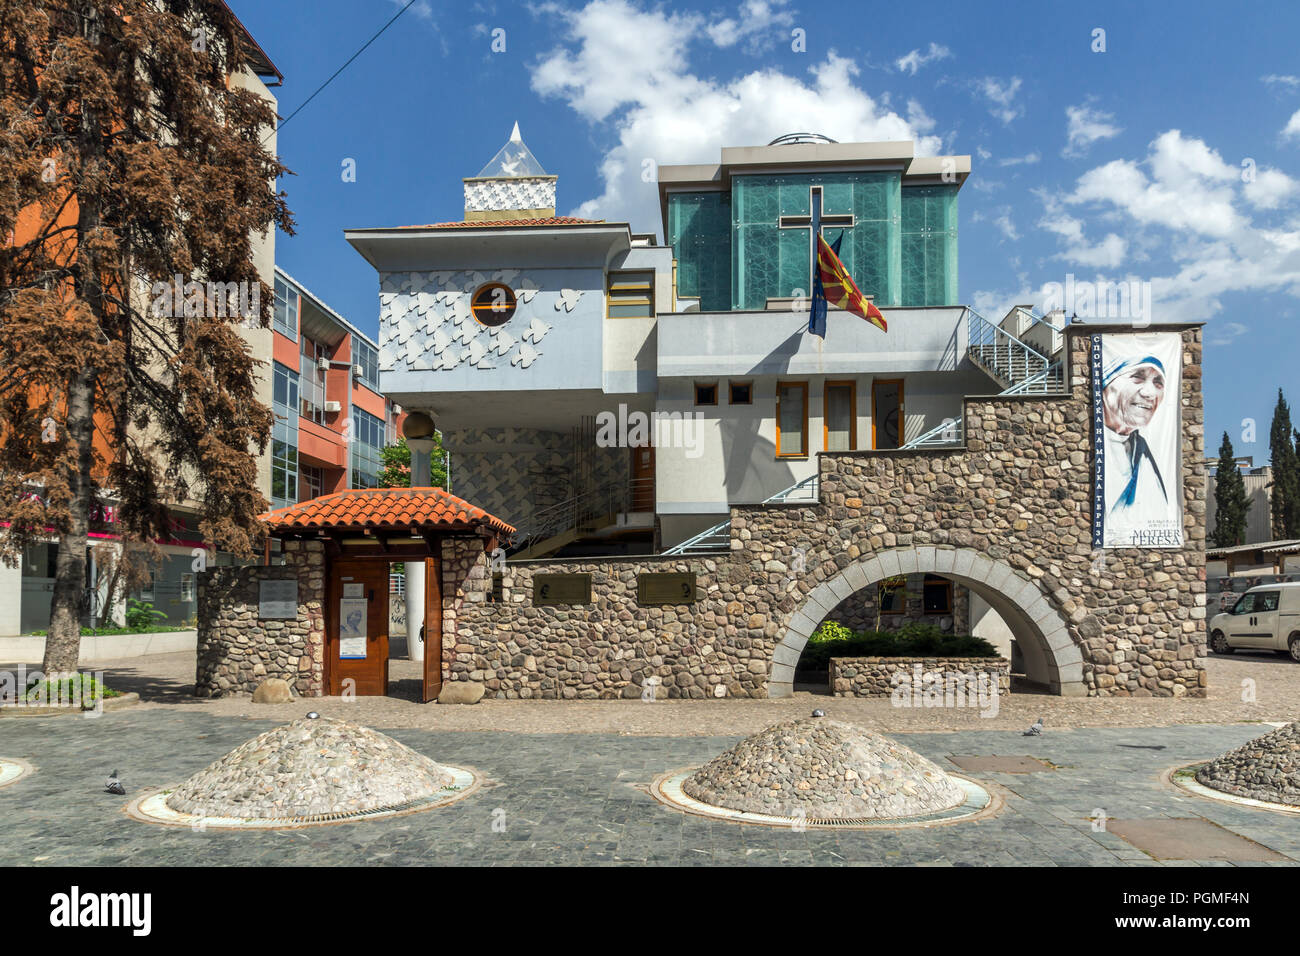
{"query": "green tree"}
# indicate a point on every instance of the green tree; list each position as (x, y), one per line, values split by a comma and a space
(397, 465)
(1230, 501)
(1286, 473)
(128, 157)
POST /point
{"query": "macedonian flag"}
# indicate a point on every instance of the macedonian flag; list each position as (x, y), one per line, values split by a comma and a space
(834, 285)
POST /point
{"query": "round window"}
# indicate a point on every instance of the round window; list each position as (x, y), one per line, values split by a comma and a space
(493, 304)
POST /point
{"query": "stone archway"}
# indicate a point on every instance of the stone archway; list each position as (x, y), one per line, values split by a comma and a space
(1051, 656)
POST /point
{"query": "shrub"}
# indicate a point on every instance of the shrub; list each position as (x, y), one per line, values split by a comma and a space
(65, 688)
(830, 631)
(142, 614)
(913, 640)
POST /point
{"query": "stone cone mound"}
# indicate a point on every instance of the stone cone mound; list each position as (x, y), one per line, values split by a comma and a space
(828, 770)
(1266, 768)
(309, 767)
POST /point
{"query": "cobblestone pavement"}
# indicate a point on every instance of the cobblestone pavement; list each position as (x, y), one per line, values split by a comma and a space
(167, 682)
(581, 798)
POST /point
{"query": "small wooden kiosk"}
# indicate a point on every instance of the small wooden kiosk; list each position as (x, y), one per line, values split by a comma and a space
(364, 531)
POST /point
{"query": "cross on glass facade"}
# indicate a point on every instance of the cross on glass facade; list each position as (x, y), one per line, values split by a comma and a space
(814, 223)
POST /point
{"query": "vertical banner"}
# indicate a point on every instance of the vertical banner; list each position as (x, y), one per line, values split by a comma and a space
(1137, 441)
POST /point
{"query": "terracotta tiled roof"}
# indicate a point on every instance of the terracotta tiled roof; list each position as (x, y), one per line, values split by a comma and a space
(398, 509)
(494, 223)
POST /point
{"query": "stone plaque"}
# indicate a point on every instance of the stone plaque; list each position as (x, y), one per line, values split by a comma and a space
(671, 587)
(561, 589)
(278, 598)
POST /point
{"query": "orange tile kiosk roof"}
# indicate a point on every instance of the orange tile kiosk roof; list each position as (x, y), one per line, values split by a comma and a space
(384, 509)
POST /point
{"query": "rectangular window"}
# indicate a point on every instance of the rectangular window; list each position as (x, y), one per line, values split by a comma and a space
(742, 393)
(497, 594)
(792, 420)
(367, 445)
(187, 588)
(631, 295)
(706, 393)
(311, 380)
(937, 595)
(286, 309)
(841, 420)
(284, 437)
(365, 355)
(312, 482)
(284, 474)
(147, 589)
(891, 595)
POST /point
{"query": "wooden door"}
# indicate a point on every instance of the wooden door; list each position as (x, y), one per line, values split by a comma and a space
(356, 628)
(432, 628)
(643, 478)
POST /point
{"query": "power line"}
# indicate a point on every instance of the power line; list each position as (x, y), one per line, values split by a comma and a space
(335, 74)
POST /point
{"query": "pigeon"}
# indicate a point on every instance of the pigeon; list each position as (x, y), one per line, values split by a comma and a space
(1036, 730)
(113, 785)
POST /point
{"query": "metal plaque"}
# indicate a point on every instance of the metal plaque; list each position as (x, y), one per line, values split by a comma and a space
(561, 589)
(278, 598)
(670, 587)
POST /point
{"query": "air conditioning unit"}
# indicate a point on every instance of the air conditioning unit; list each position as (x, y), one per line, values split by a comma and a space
(358, 371)
(322, 365)
(333, 407)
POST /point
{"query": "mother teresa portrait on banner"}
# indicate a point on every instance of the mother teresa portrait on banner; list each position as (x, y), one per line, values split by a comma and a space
(1136, 388)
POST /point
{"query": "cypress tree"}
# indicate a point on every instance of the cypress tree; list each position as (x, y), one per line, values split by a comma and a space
(1230, 501)
(1286, 473)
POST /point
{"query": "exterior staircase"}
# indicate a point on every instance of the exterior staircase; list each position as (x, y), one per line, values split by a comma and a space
(1010, 360)
(1024, 362)
(580, 515)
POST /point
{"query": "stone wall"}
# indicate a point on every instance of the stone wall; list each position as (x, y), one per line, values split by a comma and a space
(237, 650)
(1008, 515)
(613, 647)
(883, 676)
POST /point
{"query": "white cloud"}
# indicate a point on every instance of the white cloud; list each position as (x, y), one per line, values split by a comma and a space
(1000, 219)
(1223, 333)
(1270, 189)
(916, 59)
(756, 24)
(1191, 188)
(1187, 206)
(1027, 160)
(1084, 127)
(1002, 97)
(619, 57)
(1285, 82)
(1292, 128)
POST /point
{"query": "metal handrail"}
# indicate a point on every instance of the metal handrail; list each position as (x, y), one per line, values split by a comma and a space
(718, 538)
(601, 501)
(1007, 350)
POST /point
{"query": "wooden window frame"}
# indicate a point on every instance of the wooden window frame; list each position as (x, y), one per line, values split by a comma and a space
(746, 384)
(884, 585)
(852, 386)
(902, 415)
(648, 300)
(925, 584)
(699, 385)
(803, 453)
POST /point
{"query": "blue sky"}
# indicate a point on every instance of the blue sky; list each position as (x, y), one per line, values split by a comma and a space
(1171, 157)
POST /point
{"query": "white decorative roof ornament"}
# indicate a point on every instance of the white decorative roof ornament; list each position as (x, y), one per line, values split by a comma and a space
(513, 185)
(513, 160)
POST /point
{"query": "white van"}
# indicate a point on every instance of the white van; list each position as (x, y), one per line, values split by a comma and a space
(1265, 618)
